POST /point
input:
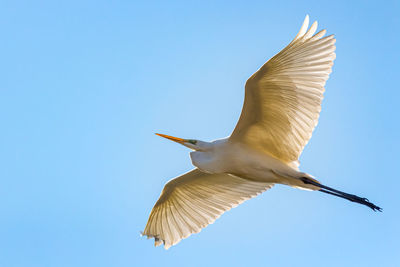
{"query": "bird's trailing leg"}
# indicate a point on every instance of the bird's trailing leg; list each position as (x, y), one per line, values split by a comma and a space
(334, 192)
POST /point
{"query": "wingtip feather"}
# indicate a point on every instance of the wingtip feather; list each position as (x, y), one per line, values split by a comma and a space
(303, 28)
(311, 30)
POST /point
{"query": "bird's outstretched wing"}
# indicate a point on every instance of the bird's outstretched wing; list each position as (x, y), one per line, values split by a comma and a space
(190, 202)
(283, 98)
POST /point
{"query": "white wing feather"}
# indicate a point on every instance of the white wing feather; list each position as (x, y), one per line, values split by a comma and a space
(192, 201)
(283, 98)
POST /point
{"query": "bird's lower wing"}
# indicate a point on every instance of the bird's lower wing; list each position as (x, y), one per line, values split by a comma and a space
(190, 202)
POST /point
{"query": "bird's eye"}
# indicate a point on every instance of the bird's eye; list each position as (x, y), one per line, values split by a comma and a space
(192, 141)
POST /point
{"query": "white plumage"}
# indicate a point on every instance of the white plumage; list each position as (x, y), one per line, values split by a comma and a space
(193, 201)
(283, 98)
(281, 109)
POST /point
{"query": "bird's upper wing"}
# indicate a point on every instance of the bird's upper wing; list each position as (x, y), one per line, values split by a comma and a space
(283, 98)
(190, 202)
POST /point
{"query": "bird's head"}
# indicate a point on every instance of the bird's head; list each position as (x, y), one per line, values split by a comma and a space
(190, 143)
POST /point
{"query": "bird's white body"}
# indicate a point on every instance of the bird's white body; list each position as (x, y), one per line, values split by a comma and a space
(227, 156)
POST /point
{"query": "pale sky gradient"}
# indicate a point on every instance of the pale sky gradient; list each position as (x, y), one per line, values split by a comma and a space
(85, 84)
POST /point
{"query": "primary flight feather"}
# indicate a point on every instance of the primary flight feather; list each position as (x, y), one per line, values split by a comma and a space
(280, 111)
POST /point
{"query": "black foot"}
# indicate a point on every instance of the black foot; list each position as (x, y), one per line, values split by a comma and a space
(334, 192)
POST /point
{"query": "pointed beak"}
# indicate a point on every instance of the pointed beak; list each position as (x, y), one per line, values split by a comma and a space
(175, 139)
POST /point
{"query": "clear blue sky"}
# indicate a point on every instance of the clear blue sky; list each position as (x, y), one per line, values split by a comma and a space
(85, 84)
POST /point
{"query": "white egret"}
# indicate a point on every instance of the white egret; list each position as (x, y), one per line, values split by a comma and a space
(281, 108)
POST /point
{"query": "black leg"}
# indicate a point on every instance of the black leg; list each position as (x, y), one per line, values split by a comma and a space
(334, 192)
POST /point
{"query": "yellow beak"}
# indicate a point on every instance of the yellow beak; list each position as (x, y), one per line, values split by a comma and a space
(175, 139)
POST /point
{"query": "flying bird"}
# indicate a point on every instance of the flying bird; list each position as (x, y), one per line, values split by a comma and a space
(280, 111)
